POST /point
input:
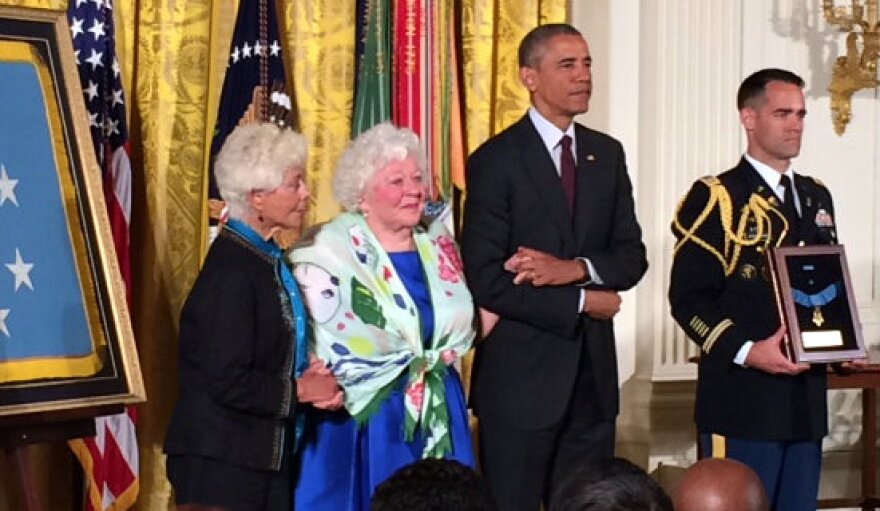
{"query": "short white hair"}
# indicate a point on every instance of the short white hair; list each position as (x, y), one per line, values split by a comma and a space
(256, 157)
(369, 153)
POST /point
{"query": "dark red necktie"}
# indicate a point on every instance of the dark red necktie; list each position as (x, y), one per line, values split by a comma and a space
(567, 172)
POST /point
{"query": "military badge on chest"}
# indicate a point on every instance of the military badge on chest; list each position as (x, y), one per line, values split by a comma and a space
(825, 223)
(757, 238)
(748, 272)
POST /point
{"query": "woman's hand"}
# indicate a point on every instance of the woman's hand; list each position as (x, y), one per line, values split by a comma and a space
(317, 384)
(488, 319)
(332, 404)
(317, 365)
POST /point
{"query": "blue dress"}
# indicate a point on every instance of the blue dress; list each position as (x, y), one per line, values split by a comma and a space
(341, 463)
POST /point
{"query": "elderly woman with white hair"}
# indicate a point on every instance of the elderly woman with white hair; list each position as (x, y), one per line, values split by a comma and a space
(391, 314)
(244, 362)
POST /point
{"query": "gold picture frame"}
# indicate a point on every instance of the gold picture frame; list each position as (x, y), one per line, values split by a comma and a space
(66, 344)
(816, 303)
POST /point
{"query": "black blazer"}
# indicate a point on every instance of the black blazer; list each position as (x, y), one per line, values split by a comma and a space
(525, 370)
(237, 393)
(720, 312)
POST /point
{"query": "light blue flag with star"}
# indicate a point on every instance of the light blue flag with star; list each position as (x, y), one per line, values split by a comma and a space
(45, 327)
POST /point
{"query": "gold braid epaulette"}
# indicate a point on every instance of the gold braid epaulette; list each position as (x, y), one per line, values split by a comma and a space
(734, 239)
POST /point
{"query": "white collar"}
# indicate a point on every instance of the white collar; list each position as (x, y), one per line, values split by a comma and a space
(549, 132)
(770, 175)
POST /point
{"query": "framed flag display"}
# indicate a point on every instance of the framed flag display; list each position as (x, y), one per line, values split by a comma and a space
(816, 303)
(66, 343)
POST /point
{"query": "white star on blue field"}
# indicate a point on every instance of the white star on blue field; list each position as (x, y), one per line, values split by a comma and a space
(42, 310)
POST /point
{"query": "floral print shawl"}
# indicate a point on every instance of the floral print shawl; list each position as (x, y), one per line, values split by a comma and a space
(367, 328)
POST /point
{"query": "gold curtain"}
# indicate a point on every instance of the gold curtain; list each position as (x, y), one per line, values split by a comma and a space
(167, 53)
(320, 50)
(173, 55)
(491, 32)
(176, 64)
(494, 97)
(58, 5)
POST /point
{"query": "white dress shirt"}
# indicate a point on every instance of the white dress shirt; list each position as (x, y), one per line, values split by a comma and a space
(551, 135)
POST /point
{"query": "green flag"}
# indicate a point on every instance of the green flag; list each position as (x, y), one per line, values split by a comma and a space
(372, 103)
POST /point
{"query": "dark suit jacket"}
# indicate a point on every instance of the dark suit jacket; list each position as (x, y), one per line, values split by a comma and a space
(720, 312)
(237, 394)
(525, 370)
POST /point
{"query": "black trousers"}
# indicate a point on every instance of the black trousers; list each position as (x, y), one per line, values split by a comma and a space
(524, 467)
(210, 482)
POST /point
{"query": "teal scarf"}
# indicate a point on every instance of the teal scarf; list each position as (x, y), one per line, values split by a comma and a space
(367, 328)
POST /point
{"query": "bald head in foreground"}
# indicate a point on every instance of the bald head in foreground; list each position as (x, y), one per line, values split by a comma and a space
(715, 484)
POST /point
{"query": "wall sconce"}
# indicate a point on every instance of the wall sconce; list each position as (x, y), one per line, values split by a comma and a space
(857, 70)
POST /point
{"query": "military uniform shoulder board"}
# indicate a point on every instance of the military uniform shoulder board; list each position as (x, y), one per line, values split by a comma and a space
(710, 181)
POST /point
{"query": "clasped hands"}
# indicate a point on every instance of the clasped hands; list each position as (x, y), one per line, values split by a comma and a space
(542, 269)
(318, 386)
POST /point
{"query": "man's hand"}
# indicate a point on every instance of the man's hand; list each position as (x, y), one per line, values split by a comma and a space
(767, 356)
(601, 304)
(543, 269)
(854, 366)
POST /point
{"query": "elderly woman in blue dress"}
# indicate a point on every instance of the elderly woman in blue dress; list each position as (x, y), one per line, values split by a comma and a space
(391, 314)
(245, 370)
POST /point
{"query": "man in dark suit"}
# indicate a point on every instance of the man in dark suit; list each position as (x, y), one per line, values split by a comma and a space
(549, 238)
(753, 404)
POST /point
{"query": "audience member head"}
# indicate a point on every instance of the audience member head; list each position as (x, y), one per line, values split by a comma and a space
(715, 484)
(610, 485)
(433, 485)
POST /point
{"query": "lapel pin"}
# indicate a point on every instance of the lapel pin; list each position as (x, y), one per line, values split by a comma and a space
(590, 157)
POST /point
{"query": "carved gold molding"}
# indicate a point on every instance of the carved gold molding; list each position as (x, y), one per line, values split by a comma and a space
(858, 68)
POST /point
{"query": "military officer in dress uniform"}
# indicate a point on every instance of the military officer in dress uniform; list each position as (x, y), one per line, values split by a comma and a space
(753, 404)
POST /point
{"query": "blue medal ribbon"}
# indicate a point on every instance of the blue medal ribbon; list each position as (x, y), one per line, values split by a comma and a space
(816, 300)
(819, 299)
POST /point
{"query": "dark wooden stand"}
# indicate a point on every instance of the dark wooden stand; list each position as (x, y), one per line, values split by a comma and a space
(18, 432)
(866, 378)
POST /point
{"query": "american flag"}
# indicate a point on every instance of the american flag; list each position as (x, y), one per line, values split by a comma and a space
(254, 88)
(110, 458)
